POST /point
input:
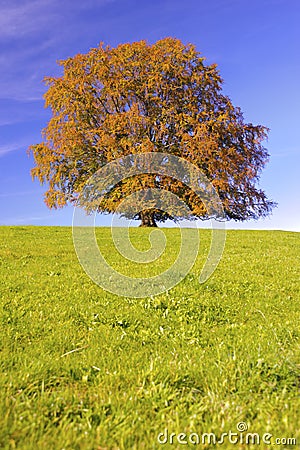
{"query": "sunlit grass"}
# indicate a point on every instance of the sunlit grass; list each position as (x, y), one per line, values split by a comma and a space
(85, 369)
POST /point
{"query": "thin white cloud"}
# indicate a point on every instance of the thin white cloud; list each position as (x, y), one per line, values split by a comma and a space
(34, 34)
(18, 19)
(24, 220)
(12, 147)
(23, 70)
(292, 152)
(17, 194)
(14, 112)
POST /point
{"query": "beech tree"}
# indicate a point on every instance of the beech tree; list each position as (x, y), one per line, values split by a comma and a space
(113, 102)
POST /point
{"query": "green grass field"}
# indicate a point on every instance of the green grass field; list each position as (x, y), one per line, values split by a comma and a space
(85, 369)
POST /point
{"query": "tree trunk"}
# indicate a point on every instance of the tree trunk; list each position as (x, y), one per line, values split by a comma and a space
(147, 218)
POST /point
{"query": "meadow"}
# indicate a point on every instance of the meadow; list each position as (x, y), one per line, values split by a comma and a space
(83, 369)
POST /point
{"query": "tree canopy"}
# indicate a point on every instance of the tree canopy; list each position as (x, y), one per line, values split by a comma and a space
(138, 98)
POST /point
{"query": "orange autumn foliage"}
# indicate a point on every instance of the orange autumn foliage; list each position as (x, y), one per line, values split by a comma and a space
(113, 102)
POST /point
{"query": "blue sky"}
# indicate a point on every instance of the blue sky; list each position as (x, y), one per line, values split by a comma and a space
(255, 44)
